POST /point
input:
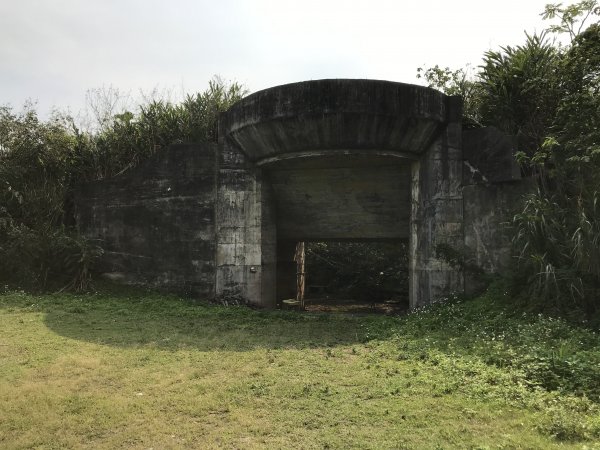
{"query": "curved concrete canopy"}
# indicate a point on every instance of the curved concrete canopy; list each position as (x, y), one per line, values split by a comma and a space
(315, 117)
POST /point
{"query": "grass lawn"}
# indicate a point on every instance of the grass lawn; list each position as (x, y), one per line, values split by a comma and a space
(131, 369)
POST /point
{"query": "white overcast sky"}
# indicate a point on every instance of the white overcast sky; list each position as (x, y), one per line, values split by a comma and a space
(53, 51)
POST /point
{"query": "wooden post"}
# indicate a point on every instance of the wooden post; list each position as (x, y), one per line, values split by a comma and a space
(299, 257)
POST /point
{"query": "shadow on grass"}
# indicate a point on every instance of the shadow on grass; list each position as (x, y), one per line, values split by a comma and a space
(132, 318)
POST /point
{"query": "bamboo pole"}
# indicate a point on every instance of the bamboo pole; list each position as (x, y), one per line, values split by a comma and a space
(299, 257)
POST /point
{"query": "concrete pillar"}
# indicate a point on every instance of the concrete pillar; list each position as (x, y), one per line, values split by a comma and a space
(437, 215)
(268, 244)
(245, 231)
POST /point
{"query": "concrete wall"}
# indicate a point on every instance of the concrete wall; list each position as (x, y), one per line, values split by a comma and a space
(488, 211)
(286, 270)
(343, 200)
(437, 215)
(157, 222)
(493, 191)
(245, 232)
(488, 157)
(328, 159)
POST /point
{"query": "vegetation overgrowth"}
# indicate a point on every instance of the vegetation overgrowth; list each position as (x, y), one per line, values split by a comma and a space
(130, 368)
(548, 96)
(359, 270)
(544, 92)
(43, 162)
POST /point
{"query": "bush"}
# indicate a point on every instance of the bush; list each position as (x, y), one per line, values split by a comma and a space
(43, 162)
(36, 259)
(558, 231)
(361, 270)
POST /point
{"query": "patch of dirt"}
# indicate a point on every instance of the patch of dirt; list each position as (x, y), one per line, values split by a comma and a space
(325, 304)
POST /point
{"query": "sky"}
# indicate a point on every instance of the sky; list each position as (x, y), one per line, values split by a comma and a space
(54, 51)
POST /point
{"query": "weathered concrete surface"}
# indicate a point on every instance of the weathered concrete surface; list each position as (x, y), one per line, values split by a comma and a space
(488, 155)
(493, 192)
(286, 270)
(338, 155)
(319, 160)
(246, 232)
(365, 202)
(437, 218)
(487, 213)
(156, 223)
(336, 115)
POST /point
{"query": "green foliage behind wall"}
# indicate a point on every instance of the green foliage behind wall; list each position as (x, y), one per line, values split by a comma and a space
(548, 95)
(43, 161)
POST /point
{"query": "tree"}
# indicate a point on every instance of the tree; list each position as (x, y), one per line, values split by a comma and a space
(360, 270)
(456, 82)
(572, 18)
(133, 137)
(548, 95)
(520, 90)
(36, 163)
(558, 230)
(42, 162)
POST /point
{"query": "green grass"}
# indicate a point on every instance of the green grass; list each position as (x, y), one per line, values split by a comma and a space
(130, 369)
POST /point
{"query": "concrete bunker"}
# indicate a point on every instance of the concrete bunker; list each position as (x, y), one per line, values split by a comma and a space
(341, 159)
(316, 160)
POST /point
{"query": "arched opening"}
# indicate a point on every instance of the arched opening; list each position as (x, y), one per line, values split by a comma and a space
(336, 160)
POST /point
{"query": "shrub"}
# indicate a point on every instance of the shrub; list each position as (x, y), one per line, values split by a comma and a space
(373, 270)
